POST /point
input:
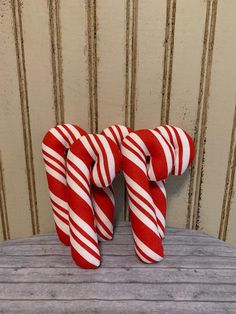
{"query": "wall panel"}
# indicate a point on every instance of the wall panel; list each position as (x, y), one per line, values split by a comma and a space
(35, 23)
(182, 111)
(220, 119)
(111, 62)
(150, 54)
(74, 45)
(12, 141)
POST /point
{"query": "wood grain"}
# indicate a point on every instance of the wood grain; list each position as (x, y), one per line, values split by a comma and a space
(44, 275)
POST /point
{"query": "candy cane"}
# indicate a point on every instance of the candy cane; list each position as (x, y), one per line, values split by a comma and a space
(54, 147)
(98, 152)
(103, 198)
(146, 219)
(157, 189)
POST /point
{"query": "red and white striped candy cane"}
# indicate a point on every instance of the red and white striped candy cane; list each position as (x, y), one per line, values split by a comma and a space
(157, 189)
(93, 159)
(183, 145)
(54, 147)
(146, 219)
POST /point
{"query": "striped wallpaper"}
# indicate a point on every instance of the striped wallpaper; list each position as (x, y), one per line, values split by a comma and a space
(134, 62)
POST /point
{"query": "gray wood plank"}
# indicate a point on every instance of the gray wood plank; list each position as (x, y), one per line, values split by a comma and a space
(147, 275)
(119, 249)
(120, 261)
(119, 291)
(121, 306)
(124, 239)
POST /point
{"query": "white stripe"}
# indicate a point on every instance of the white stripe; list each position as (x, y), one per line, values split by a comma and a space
(64, 227)
(132, 157)
(95, 176)
(103, 231)
(110, 157)
(78, 163)
(143, 218)
(54, 163)
(175, 143)
(164, 133)
(83, 239)
(162, 187)
(78, 190)
(139, 189)
(166, 150)
(127, 141)
(146, 249)
(110, 194)
(60, 212)
(159, 215)
(117, 133)
(142, 257)
(78, 176)
(88, 147)
(108, 133)
(82, 224)
(140, 142)
(102, 215)
(85, 254)
(101, 160)
(53, 153)
(124, 130)
(65, 132)
(76, 133)
(59, 137)
(142, 204)
(58, 200)
(186, 149)
(55, 174)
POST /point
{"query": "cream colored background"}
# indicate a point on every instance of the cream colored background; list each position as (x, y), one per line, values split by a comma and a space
(134, 62)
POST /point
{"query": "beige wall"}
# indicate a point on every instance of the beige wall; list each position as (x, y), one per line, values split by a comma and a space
(134, 62)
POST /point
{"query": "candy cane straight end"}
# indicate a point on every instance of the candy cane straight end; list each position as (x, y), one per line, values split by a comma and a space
(83, 263)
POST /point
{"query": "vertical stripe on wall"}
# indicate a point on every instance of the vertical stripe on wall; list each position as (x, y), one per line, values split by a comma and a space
(229, 184)
(201, 122)
(20, 55)
(168, 60)
(56, 54)
(3, 205)
(131, 61)
(92, 64)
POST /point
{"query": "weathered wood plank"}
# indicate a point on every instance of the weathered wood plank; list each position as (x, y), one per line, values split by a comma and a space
(119, 249)
(119, 291)
(127, 239)
(106, 275)
(120, 261)
(121, 306)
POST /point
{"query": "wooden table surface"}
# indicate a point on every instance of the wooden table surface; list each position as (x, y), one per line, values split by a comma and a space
(198, 275)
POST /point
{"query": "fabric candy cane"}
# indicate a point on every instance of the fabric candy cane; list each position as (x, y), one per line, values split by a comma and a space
(157, 189)
(93, 159)
(103, 198)
(146, 219)
(54, 148)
